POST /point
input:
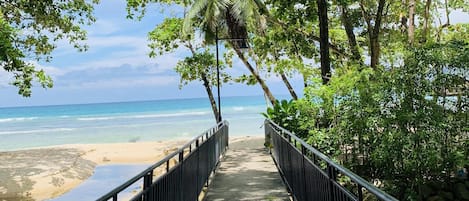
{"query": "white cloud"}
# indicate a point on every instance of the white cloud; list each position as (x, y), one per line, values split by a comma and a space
(5, 78)
(129, 82)
(121, 41)
(103, 27)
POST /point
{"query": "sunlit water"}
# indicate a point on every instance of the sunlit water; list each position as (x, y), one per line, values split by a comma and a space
(104, 179)
(30, 127)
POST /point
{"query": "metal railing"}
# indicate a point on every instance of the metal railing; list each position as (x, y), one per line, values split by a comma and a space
(184, 180)
(311, 175)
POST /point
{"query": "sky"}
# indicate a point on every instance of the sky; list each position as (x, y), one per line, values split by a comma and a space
(117, 67)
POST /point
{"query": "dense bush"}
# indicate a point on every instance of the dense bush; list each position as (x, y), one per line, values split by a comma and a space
(401, 127)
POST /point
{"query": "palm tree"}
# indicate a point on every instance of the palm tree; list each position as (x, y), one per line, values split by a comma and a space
(229, 19)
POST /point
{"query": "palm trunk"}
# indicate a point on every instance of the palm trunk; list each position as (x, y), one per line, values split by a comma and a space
(289, 87)
(210, 96)
(256, 75)
(324, 41)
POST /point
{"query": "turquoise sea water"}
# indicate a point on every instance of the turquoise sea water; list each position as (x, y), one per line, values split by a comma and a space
(30, 127)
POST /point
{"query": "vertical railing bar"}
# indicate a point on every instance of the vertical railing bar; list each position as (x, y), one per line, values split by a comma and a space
(147, 180)
(360, 192)
(181, 186)
(304, 172)
(197, 177)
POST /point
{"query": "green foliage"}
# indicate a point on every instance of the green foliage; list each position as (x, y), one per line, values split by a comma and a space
(199, 66)
(401, 127)
(138, 8)
(12, 60)
(41, 23)
(166, 36)
(287, 114)
(402, 123)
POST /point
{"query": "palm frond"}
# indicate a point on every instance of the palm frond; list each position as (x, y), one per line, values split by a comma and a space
(205, 13)
(189, 19)
(244, 10)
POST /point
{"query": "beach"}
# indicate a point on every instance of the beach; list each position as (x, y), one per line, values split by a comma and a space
(44, 173)
(45, 151)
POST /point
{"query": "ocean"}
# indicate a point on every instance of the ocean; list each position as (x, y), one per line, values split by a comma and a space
(39, 126)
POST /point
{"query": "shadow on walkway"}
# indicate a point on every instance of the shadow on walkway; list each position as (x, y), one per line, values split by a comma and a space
(247, 172)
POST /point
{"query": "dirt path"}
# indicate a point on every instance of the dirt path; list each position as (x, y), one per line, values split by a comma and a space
(247, 172)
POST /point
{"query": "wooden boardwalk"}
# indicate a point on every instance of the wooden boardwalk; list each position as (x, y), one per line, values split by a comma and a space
(247, 172)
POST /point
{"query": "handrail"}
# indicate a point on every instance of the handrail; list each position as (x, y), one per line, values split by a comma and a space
(149, 171)
(330, 163)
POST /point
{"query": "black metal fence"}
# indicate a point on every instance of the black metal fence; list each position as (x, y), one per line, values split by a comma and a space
(184, 180)
(310, 175)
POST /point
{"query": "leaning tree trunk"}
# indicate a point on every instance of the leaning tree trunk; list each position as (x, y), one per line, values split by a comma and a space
(237, 30)
(324, 41)
(208, 88)
(289, 87)
(352, 41)
(256, 75)
(210, 96)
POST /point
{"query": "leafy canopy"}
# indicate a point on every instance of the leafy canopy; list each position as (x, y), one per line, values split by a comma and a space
(29, 30)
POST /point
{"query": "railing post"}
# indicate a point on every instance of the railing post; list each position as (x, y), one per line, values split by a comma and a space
(303, 151)
(225, 131)
(197, 170)
(360, 192)
(147, 180)
(331, 173)
(181, 186)
(167, 165)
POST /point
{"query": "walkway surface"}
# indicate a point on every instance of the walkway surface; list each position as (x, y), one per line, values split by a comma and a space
(247, 172)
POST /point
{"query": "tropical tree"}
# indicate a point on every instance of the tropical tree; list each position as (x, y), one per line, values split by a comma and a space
(28, 30)
(168, 36)
(201, 66)
(230, 20)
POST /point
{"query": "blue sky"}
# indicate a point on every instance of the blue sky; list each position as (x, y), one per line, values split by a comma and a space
(117, 67)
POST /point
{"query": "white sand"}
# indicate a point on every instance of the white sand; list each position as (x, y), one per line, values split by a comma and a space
(44, 173)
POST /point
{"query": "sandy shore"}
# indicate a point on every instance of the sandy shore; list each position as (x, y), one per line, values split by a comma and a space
(39, 174)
